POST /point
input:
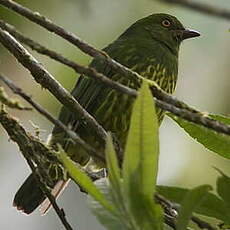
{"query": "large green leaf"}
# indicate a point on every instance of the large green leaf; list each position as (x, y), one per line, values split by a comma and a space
(141, 162)
(211, 206)
(84, 181)
(191, 200)
(216, 142)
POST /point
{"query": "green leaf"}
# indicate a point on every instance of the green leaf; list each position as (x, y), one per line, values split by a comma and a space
(216, 142)
(112, 165)
(191, 200)
(223, 189)
(211, 206)
(140, 164)
(114, 177)
(84, 181)
(142, 148)
(106, 218)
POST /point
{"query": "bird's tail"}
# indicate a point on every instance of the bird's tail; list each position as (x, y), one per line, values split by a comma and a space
(29, 196)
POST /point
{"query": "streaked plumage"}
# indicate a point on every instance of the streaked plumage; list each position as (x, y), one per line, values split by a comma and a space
(150, 47)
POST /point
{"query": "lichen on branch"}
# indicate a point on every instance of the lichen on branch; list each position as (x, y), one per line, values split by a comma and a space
(11, 102)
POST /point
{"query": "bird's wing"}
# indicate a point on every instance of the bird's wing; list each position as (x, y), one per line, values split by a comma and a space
(88, 93)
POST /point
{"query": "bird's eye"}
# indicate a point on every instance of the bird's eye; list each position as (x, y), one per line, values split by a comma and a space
(166, 23)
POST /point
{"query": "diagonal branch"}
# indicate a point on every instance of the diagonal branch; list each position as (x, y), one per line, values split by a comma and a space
(171, 209)
(45, 190)
(92, 152)
(10, 102)
(90, 72)
(43, 77)
(202, 224)
(31, 147)
(202, 8)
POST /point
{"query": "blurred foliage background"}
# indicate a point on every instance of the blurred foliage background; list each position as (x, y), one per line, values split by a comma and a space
(204, 82)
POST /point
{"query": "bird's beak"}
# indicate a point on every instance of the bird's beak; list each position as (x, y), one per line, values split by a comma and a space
(187, 33)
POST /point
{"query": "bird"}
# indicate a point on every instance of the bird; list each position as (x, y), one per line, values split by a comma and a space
(149, 47)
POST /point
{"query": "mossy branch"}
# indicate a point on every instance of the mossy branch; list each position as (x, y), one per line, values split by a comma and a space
(171, 210)
(88, 71)
(32, 148)
(10, 102)
(75, 138)
(47, 81)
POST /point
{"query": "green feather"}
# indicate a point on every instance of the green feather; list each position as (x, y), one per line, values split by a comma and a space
(138, 50)
(150, 47)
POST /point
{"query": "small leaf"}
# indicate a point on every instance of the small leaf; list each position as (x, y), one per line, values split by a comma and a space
(140, 164)
(211, 206)
(114, 177)
(106, 218)
(84, 181)
(112, 165)
(223, 189)
(191, 200)
(216, 142)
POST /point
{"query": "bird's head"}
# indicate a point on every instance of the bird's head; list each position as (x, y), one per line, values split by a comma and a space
(163, 28)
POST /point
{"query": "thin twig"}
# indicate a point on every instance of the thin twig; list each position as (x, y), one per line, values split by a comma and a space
(60, 212)
(202, 8)
(10, 102)
(197, 118)
(88, 71)
(43, 77)
(30, 147)
(202, 224)
(92, 152)
(171, 214)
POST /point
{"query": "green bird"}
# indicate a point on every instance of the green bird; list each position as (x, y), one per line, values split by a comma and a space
(150, 47)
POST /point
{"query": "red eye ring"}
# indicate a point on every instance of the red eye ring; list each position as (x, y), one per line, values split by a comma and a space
(166, 23)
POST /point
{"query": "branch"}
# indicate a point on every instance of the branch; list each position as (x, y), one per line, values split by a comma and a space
(43, 77)
(56, 122)
(45, 190)
(202, 8)
(31, 147)
(202, 224)
(11, 103)
(84, 47)
(171, 211)
(88, 71)
(163, 100)
(28, 145)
